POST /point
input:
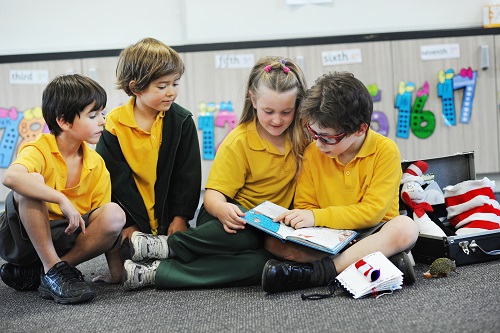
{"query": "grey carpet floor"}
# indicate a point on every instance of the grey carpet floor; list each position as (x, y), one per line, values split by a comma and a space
(468, 302)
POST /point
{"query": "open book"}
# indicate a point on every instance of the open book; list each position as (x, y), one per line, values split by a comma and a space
(371, 275)
(323, 239)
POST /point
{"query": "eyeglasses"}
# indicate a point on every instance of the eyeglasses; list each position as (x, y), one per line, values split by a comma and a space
(326, 139)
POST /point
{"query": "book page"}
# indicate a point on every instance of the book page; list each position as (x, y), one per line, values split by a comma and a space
(391, 278)
(284, 230)
(323, 239)
(327, 237)
(261, 216)
(270, 209)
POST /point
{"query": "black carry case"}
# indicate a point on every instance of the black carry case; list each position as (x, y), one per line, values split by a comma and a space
(464, 249)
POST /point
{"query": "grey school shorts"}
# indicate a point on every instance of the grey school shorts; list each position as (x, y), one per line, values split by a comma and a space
(15, 245)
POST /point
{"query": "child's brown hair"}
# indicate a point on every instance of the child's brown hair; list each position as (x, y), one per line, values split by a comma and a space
(144, 62)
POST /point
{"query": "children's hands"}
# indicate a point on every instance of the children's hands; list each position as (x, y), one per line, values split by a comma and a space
(297, 218)
(75, 220)
(230, 216)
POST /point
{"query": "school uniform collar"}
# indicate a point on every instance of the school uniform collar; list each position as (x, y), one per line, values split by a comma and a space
(369, 146)
(89, 159)
(255, 142)
(253, 137)
(127, 117)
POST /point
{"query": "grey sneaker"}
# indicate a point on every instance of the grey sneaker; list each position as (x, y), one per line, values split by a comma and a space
(139, 275)
(147, 246)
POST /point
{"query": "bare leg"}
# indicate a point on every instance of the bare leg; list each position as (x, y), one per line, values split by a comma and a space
(127, 232)
(291, 251)
(395, 236)
(35, 219)
(105, 225)
(115, 266)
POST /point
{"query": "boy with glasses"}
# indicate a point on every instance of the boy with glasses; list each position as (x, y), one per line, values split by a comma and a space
(349, 180)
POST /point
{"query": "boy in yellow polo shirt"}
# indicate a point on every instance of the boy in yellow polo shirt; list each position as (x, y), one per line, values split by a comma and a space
(150, 144)
(349, 180)
(59, 213)
(257, 161)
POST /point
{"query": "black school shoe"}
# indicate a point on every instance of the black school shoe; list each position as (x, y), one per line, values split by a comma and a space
(278, 276)
(65, 284)
(22, 278)
(403, 262)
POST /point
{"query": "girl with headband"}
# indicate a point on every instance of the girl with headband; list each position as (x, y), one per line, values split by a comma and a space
(257, 161)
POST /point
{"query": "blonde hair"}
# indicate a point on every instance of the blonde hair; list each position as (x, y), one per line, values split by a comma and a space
(144, 62)
(281, 75)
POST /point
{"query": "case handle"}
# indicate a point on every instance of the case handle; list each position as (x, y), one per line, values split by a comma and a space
(473, 245)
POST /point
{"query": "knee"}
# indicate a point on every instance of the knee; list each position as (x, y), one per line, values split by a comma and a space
(114, 215)
(21, 201)
(401, 232)
(407, 230)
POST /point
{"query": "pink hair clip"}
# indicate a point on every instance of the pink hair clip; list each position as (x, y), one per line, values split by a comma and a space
(267, 68)
(286, 70)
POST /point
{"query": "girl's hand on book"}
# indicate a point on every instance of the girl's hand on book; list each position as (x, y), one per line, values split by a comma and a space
(230, 216)
(297, 218)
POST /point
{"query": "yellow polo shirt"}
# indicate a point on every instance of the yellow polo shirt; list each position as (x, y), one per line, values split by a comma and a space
(251, 170)
(354, 196)
(140, 149)
(43, 156)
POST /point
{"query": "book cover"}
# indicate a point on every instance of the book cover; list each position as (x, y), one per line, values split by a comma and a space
(323, 239)
(373, 274)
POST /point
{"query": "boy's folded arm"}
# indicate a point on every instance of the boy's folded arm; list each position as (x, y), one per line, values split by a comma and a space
(31, 185)
(376, 201)
(371, 210)
(362, 215)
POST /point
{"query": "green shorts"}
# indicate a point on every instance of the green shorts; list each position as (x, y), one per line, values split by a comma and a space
(15, 245)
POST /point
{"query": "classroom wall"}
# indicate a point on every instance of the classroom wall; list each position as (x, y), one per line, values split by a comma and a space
(385, 63)
(34, 26)
(384, 66)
